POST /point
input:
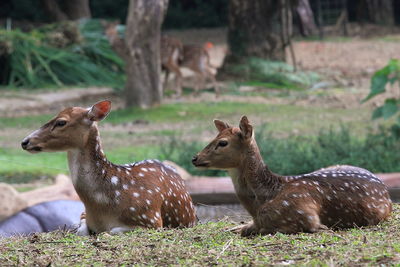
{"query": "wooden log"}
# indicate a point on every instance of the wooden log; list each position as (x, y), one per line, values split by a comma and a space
(220, 190)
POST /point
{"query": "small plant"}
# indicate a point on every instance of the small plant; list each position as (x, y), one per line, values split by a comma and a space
(390, 74)
(274, 74)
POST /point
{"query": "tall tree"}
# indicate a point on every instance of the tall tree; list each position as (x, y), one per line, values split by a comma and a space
(374, 11)
(380, 11)
(306, 18)
(143, 63)
(67, 10)
(255, 29)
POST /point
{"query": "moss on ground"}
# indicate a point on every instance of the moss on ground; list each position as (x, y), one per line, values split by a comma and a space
(209, 244)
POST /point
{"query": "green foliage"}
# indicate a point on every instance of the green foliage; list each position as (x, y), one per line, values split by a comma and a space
(274, 74)
(35, 63)
(390, 74)
(299, 154)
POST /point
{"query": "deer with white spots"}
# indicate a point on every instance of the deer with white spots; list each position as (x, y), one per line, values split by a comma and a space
(335, 197)
(117, 198)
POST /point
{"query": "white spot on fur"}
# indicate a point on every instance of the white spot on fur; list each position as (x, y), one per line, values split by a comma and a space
(114, 180)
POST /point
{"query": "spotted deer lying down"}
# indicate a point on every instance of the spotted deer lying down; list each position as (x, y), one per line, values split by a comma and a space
(117, 198)
(336, 197)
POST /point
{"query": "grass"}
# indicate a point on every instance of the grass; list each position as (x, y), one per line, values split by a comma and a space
(17, 166)
(185, 122)
(282, 118)
(209, 244)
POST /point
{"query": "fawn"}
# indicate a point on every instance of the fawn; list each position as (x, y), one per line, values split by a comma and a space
(197, 59)
(117, 198)
(194, 57)
(335, 197)
(171, 55)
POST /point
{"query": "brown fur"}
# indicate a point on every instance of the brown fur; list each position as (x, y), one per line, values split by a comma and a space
(116, 197)
(336, 197)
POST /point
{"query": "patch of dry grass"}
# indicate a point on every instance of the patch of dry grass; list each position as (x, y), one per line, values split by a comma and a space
(209, 244)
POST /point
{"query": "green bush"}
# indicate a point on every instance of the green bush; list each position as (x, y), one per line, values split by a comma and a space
(49, 57)
(377, 152)
(274, 74)
(390, 74)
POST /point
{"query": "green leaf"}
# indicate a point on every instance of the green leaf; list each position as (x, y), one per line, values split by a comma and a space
(377, 113)
(389, 108)
(378, 83)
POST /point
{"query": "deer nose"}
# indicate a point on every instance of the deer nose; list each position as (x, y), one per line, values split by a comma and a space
(194, 159)
(25, 143)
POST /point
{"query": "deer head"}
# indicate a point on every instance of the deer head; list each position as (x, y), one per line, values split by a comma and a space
(229, 148)
(68, 130)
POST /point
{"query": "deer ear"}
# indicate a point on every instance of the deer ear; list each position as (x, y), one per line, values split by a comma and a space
(220, 125)
(99, 110)
(246, 127)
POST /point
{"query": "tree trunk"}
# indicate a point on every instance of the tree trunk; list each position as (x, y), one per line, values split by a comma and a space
(381, 11)
(143, 65)
(77, 9)
(67, 10)
(306, 18)
(54, 11)
(255, 30)
(376, 11)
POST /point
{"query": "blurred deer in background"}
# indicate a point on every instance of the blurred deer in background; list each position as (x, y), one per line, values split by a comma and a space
(171, 56)
(197, 59)
(117, 198)
(335, 197)
(174, 55)
(116, 42)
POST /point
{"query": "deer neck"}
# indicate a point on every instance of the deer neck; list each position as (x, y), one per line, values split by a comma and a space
(253, 180)
(88, 164)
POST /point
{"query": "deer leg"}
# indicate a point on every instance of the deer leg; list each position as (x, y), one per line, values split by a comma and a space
(249, 230)
(120, 230)
(199, 83)
(178, 77)
(165, 83)
(83, 229)
(214, 82)
(178, 86)
(288, 215)
(312, 224)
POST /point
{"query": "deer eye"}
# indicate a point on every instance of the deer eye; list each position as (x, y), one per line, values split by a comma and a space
(60, 123)
(222, 143)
